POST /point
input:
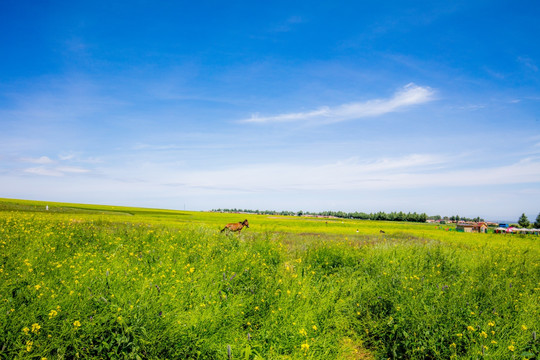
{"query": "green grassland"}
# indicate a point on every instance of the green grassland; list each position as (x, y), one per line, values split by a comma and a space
(89, 281)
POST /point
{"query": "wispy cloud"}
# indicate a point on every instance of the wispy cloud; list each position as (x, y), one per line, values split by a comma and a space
(50, 167)
(55, 170)
(40, 160)
(72, 170)
(43, 171)
(528, 62)
(409, 95)
(408, 172)
(288, 24)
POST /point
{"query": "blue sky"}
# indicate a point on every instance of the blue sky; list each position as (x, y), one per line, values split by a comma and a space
(426, 106)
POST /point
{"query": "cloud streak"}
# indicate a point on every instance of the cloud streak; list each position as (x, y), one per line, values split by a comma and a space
(49, 167)
(347, 174)
(408, 172)
(409, 95)
(40, 160)
(55, 171)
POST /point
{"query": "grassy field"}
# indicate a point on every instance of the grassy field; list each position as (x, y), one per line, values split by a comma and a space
(87, 281)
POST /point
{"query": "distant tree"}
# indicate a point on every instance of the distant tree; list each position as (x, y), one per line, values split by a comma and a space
(523, 221)
(537, 222)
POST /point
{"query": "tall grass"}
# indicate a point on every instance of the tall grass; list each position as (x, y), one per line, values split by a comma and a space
(102, 286)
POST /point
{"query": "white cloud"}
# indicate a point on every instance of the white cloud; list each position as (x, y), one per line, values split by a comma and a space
(411, 94)
(43, 171)
(56, 171)
(414, 171)
(416, 181)
(76, 158)
(40, 160)
(72, 169)
(66, 157)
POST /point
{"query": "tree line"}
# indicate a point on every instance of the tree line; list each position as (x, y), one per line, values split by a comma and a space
(381, 215)
(455, 218)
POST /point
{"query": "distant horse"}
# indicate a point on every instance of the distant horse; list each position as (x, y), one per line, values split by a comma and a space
(236, 226)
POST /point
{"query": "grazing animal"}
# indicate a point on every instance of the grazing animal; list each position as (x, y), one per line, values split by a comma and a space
(236, 226)
(382, 231)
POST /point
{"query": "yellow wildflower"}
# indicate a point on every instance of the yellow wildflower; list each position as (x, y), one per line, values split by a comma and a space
(77, 323)
(511, 348)
(25, 330)
(524, 327)
(52, 314)
(29, 346)
(303, 332)
(305, 347)
(35, 328)
(470, 328)
(491, 323)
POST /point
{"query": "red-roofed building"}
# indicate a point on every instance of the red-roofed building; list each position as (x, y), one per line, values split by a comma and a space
(472, 227)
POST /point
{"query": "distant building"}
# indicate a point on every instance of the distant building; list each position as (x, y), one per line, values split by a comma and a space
(472, 227)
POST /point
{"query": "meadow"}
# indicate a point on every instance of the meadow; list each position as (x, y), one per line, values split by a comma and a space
(89, 281)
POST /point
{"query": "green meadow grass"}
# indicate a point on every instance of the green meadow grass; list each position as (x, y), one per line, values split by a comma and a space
(88, 281)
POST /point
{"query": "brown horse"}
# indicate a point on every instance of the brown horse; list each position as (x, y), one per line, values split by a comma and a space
(236, 226)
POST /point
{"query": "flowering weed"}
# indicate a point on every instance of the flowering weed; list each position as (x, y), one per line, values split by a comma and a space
(95, 282)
